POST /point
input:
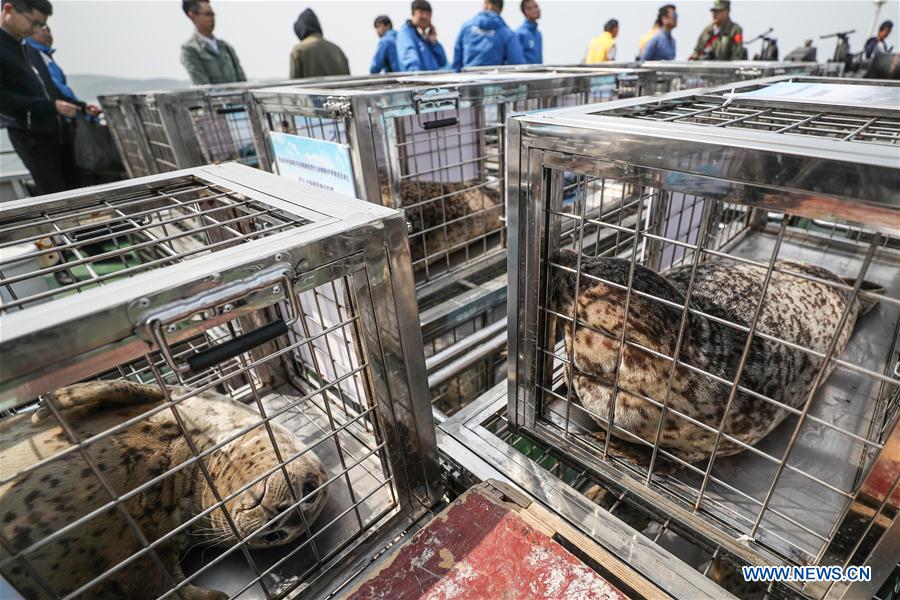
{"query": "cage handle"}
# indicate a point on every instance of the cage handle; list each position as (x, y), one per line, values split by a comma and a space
(239, 345)
(437, 101)
(227, 294)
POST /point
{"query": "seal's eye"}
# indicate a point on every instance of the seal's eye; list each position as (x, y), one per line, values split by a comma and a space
(272, 538)
(309, 487)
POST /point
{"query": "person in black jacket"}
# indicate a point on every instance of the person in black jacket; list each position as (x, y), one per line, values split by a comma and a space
(31, 107)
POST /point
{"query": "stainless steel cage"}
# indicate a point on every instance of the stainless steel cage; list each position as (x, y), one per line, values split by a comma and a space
(158, 132)
(432, 144)
(220, 286)
(685, 180)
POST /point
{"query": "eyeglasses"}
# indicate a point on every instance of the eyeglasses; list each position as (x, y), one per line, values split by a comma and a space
(34, 23)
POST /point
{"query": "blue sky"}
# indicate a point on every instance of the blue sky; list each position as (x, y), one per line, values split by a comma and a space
(141, 38)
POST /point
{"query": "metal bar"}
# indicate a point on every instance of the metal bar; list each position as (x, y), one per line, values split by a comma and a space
(832, 346)
(707, 209)
(497, 343)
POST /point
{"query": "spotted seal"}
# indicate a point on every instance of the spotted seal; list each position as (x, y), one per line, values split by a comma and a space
(797, 310)
(55, 494)
(445, 216)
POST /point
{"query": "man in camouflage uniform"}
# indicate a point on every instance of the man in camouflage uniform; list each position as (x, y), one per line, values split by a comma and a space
(723, 39)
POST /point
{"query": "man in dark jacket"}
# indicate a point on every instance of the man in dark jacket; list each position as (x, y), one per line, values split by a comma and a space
(314, 56)
(417, 45)
(486, 40)
(206, 58)
(386, 55)
(30, 105)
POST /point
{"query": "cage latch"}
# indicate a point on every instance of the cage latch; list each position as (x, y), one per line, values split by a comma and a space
(432, 101)
(336, 106)
(222, 300)
(749, 73)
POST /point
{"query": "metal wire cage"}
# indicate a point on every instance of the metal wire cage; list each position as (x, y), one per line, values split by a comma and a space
(432, 144)
(158, 132)
(776, 430)
(209, 380)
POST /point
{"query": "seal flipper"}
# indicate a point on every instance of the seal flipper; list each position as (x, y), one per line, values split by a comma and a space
(866, 303)
(93, 394)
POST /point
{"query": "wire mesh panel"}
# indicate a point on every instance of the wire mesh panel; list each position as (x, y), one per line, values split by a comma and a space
(223, 126)
(228, 406)
(127, 133)
(717, 109)
(715, 325)
(158, 137)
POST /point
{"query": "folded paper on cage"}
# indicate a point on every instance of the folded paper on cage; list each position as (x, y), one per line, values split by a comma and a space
(828, 94)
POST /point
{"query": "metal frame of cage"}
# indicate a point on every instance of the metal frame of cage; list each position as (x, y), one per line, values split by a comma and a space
(437, 138)
(158, 132)
(673, 76)
(288, 300)
(717, 174)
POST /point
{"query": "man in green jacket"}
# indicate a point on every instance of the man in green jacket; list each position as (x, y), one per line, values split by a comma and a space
(723, 39)
(314, 56)
(207, 58)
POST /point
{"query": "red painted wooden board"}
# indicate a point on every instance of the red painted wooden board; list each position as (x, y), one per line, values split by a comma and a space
(479, 548)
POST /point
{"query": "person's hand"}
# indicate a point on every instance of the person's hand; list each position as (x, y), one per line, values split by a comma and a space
(92, 109)
(432, 35)
(66, 109)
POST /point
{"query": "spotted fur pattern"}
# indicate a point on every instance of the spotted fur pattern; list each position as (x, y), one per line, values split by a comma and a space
(463, 213)
(796, 310)
(51, 496)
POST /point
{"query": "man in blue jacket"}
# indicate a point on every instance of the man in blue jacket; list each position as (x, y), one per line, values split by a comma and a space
(662, 45)
(386, 55)
(417, 45)
(530, 38)
(486, 40)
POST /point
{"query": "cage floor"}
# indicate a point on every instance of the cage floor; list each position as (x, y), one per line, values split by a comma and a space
(845, 400)
(351, 509)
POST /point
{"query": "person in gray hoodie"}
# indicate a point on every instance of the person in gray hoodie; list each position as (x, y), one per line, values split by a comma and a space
(486, 40)
(313, 55)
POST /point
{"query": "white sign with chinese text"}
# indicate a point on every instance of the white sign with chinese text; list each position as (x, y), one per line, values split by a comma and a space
(320, 164)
